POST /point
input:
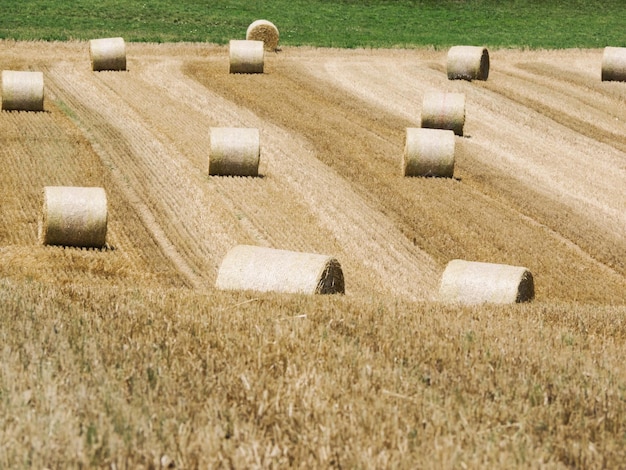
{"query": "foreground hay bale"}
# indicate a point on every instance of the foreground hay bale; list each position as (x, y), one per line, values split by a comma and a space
(614, 64)
(263, 30)
(22, 91)
(262, 269)
(468, 63)
(246, 56)
(107, 54)
(471, 282)
(73, 216)
(442, 110)
(234, 151)
(428, 152)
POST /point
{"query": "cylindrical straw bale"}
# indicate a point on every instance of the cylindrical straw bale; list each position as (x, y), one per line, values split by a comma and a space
(428, 152)
(444, 111)
(262, 269)
(73, 216)
(472, 282)
(614, 64)
(263, 30)
(22, 91)
(468, 63)
(107, 54)
(246, 56)
(234, 151)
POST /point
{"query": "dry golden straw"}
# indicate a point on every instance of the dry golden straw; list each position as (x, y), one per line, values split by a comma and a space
(22, 91)
(73, 216)
(444, 111)
(263, 30)
(428, 152)
(472, 282)
(262, 269)
(234, 151)
(246, 56)
(468, 63)
(614, 64)
(107, 54)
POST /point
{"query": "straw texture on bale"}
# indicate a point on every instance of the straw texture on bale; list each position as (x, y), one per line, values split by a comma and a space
(246, 56)
(262, 269)
(234, 151)
(614, 64)
(444, 111)
(22, 91)
(472, 282)
(468, 63)
(428, 152)
(107, 54)
(263, 30)
(73, 216)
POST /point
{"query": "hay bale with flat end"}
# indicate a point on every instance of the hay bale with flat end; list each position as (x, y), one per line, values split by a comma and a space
(262, 269)
(428, 152)
(73, 216)
(614, 64)
(234, 151)
(246, 56)
(442, 110)
(263, 30)
(468, 63)
(22, 91)
(472, 282)
(107, 54)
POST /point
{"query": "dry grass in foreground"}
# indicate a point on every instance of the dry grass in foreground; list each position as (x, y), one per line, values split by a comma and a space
(131, 378)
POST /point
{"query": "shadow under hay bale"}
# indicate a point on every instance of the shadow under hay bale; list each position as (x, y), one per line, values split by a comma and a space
(468, 63)
(22, 90)
(263, 30)
(107, 54)
(263, 269)
(246, 56)
(234, 151)
(428, 152)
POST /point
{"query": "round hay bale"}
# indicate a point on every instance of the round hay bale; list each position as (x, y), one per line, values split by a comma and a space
(428, 152)
(472, 282)
(73, 216)
(468, 63)
(444, 111)
(263, 30)
(107, 54)
(246, 56)
(234, 151)
(262, 269)
(22, 91)
(614, 64)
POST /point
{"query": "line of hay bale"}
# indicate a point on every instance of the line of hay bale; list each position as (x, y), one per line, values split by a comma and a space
(614, 64)
(428, 152)
(472, 282)
(442, 110)
(266, 31)
(73, 216)
(107, 54)
(22, 90)
(246, 56)
(234, 151)
(261, 269)
(468, 63)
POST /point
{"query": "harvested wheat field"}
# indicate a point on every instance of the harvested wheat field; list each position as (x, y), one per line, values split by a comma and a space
(128, 356)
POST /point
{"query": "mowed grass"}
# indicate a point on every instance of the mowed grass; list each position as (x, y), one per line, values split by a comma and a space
(515, 23)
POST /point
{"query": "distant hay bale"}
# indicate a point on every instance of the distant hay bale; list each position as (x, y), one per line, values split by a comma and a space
(234, 151)
(107, 54)
(614, 64)
(263, 30)
(471, 282)
(262, 269)
(428, 152)
(444, 111)
(246, 56)
(73, 216)
(22, 91)
(468, 63)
